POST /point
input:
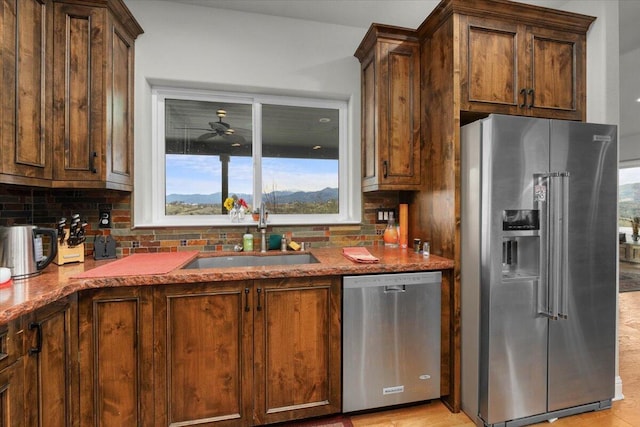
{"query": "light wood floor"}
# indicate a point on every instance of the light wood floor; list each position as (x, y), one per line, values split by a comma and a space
(624, 413)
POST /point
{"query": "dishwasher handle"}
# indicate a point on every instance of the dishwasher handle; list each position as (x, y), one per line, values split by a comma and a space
(394, 289)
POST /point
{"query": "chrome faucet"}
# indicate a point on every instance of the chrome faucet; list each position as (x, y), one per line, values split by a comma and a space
(262, 227)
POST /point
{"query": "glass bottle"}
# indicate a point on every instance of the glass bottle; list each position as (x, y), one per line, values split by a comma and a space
(390, 235)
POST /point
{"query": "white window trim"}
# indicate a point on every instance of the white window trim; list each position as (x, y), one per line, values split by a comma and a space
(153, 179)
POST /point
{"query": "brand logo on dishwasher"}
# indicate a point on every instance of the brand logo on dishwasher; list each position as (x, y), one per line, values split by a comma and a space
(393, 390)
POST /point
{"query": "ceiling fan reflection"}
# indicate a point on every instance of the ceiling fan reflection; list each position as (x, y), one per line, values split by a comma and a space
(221, 130)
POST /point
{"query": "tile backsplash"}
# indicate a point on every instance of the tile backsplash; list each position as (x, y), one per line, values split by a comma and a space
(45, 207)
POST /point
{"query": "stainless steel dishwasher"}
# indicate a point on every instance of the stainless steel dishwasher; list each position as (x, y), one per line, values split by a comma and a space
(390, 339)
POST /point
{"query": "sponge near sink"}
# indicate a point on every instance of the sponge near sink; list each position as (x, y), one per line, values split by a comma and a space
(293, 245)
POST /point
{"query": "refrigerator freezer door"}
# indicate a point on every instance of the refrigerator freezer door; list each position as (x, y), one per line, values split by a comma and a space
(582, 346)
(513, 338)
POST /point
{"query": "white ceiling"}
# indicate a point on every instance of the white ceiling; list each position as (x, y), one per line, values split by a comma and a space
(361, 13)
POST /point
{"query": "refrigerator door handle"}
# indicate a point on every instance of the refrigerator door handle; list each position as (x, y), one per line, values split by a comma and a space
(563, 231)
(558, 243)
(546, 298)
(555, 243)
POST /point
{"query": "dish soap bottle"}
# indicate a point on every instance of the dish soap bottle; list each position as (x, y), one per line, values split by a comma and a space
(390, 235)
(247, 241)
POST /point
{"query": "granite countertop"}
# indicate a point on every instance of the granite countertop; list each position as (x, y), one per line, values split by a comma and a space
(56, 282)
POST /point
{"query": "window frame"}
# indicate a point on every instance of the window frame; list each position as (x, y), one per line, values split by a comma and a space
(349, 187)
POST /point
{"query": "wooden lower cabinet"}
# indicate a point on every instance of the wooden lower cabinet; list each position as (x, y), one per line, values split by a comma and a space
(237, 353)
(11, 375)
(203, 357)
(51, 365)
(116, 345)
(297, 357)
(12, 395)
(247, 353)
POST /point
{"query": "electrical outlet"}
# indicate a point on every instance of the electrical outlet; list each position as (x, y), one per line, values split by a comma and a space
(383, 214)
(104, 220)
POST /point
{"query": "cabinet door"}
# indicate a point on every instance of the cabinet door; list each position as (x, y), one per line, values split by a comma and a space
(203, 354)
(391, 117)
(25, 104)
(297, 348)
(79, 40)
(515, 69)
(491, 75)
(119, 107)
(557, 81)
(51, 366)
(116, 341)
(12, 396)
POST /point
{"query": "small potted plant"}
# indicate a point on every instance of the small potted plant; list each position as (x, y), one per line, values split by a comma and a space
(635, 224)
(255, 215)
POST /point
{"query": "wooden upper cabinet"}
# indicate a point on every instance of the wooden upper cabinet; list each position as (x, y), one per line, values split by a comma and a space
(93, 95)
(66, 78)
(510, 68)
(390, 128)
(25, 83)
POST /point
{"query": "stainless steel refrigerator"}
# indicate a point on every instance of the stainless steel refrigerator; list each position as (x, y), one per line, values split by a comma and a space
(538, 268)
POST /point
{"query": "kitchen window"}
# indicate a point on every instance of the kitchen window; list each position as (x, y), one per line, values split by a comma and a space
(291, 153)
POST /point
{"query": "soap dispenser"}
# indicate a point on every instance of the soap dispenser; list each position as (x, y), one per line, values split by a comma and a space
(247, 241)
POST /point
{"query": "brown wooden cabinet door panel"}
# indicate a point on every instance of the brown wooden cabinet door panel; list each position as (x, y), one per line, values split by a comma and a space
(203, 355)
(12, 396)
(26, 90)
(297, 349)
(52, 365)
(78, 94)
(120, 161)
(557, 74)
(489, 73)
(399, 115)
(116, 370)
(390, 86)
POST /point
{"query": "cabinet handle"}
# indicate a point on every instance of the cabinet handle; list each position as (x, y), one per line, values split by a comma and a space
(92, 162)
(532, 97)
(259, 307)
(38, 348)
(246, 299)
(523, 92)
(384, 169)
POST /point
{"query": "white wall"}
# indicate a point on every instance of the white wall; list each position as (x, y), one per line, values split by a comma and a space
(630, 114)
(194, 46)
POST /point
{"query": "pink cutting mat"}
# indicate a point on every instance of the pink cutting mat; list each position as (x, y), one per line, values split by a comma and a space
(140, 264)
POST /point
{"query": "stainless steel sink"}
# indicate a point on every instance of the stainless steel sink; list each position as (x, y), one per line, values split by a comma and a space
(250, 261)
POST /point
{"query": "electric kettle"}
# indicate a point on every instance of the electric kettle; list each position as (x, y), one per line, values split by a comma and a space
(18, 249)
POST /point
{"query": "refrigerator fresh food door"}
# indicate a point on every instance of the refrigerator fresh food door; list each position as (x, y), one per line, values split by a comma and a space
(513, 337)
(582, 345)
